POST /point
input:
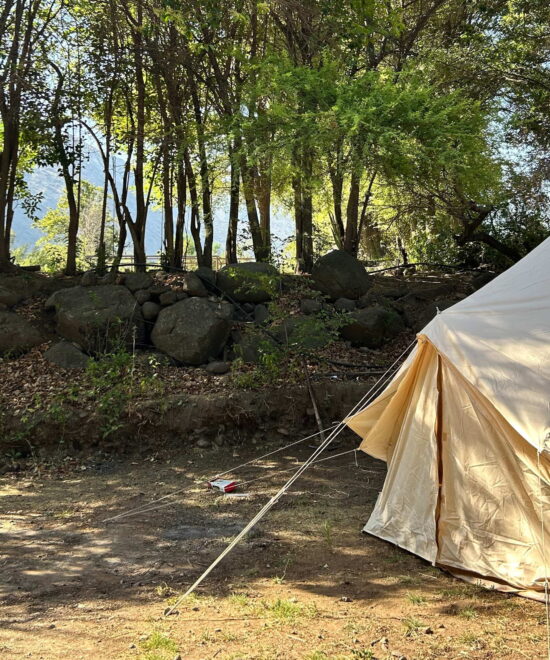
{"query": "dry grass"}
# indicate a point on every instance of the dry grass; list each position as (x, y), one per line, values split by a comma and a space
(308, 585)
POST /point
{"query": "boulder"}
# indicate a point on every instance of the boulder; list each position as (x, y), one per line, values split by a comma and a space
(168, 298)
(310, 306)
(206, 275)
(95, 316)
(339, 275)
(15, 288)
(89, 278)
(250, 346)
(193, 331)
(17, 334)
(217, 368)
(136, 281)
(8, 297)
(109, 278)
(66, 355)
(261, 314)
(193, 286)
(252, 282)
(142, 296)
(150, 310)
(372, 327)
(418, 312)
(158, 289)
(344, 305)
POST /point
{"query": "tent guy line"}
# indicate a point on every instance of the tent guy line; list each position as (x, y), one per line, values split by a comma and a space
(363, 402)
(149, 506)
(143, 508)
(240, 483)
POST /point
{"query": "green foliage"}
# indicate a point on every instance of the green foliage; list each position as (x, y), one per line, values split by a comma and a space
(376, 122)
(50, 250)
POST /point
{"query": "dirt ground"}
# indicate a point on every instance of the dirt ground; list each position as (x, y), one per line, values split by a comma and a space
(306, 584)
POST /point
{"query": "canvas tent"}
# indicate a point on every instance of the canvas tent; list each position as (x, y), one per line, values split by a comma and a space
(464, 427)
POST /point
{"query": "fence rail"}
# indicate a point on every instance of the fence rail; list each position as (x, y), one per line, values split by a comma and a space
(188, 262)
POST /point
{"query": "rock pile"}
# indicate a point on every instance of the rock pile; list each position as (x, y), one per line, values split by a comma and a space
(200, 318)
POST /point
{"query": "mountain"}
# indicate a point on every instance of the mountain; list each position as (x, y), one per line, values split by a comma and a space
(47, 181)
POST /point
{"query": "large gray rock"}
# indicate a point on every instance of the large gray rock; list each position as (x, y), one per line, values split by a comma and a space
(310, 306)
(252, 282)
(193, 286)
(372, 327)
(418, 312)
(339, 275)
(193, 331)
(66, 355)
(168, 298)
(89, 278)
(15, 288)
(344, 305)
(137, 281)
(250, 347)
(150, 310)
(142, 296)
(218, 367)
(8, 297)
(17, 334)
(206, 275)
(95, 316)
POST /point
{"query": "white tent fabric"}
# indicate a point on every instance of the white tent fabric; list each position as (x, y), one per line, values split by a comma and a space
(499, 339)
(465, 428)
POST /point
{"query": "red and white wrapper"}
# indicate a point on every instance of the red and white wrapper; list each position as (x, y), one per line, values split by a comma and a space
(224, 485)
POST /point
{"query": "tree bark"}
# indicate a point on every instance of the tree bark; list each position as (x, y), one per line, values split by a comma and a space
(351, 237)
(233, 223)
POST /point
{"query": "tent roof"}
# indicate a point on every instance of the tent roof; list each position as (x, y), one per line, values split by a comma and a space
(499, 339)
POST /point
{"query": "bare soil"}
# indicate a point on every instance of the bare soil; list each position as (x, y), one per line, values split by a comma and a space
(307, 584)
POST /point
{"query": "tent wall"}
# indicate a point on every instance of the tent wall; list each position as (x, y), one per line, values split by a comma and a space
(463, 488)
(404, 512)
(491, 507)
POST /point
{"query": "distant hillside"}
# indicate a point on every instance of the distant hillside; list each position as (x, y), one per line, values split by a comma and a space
(48, 181)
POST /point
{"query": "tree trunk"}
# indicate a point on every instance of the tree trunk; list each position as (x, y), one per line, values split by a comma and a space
(181, 190)
(303, 209)
(204, 173)
(264, 204)
(232, 225)
(195, 217)
(137, 227)
(260, 252)
(167, 203)
(8, 168)
(351, 237)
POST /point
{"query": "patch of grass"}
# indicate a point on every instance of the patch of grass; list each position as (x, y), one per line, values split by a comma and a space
(163, 590)
(406, 579)
(158, 647)
(463, 591)
(239, 600)
(412, 625)
(468, 613)
(469, 638)
(288, 611)
(327, 535)
(279, 579)
(363, 654)
(416, 599)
